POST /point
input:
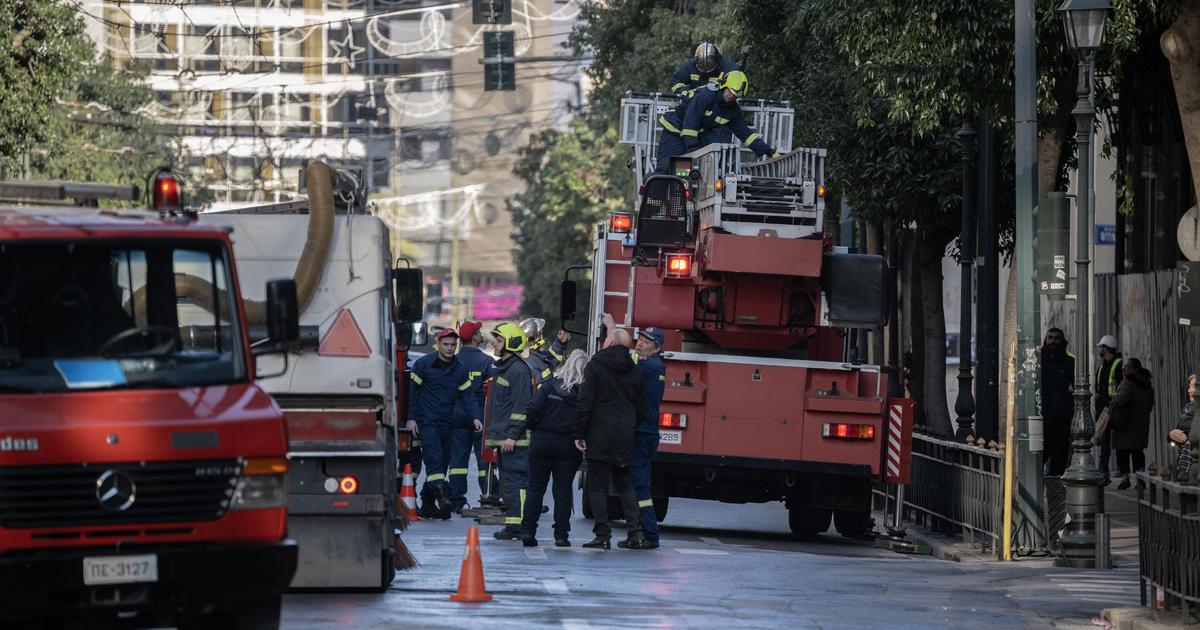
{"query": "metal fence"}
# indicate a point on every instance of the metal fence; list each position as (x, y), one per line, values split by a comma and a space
(1168, 528)
(955, 490)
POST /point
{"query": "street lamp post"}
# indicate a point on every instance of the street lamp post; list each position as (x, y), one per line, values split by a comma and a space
(1083, 21)
(964, 405)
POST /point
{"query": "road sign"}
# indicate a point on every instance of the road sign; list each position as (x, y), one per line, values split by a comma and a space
(1106, 234)
(1188, 235)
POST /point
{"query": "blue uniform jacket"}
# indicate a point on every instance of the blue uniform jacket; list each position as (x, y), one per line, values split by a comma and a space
(688, 77)
(480, 367)
(655, 373)
(435, 388)
(708, 112)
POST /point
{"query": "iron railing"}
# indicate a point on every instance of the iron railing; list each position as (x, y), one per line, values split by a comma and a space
(956, 490)
(1168, 528)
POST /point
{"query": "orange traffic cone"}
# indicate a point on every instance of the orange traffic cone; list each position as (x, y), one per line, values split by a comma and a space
(408, 494)
(470, 580)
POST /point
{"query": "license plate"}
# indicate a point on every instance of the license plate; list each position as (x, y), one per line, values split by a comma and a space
(670, 437)
(120, 569)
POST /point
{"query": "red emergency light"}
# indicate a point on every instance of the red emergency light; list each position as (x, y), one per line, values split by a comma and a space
(845, 431)
(668, 420)
(620, 223)
(167, 193)
(679, 265)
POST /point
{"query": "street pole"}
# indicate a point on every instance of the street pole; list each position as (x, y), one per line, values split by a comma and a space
(895, 379)
(964, 405)
(1081, 477)
(987, 304)
(1031, 524)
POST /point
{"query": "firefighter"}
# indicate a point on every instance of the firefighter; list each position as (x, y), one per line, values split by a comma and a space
(511, 391)
(438, 380)
(466, 437)
(645, 444)
(543, 361)
(706, 66)
(705, 119)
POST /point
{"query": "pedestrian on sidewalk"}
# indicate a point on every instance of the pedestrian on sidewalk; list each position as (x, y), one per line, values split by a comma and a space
(1179, 435)
(1107, 379)
(552, 452)
(612, 401)
(1130, 412)
(1058, 376)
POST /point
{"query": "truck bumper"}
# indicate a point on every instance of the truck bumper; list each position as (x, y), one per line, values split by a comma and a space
(190, 577)
(750, 480)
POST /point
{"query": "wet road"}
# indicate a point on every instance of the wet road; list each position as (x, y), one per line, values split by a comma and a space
(720, 566)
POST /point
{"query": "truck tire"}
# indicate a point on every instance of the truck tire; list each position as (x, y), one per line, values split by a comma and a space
(660, 508)
(852, 524)
(807, 521)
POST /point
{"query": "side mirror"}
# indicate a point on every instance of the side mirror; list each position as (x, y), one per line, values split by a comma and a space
(420, 333)
(408, 290)
(283, 317)
(566, 301)
(412, 334)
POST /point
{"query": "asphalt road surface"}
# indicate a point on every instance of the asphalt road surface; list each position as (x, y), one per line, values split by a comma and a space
(720, 566)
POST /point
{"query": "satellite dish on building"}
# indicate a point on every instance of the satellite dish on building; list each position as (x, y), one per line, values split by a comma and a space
(1188, 234)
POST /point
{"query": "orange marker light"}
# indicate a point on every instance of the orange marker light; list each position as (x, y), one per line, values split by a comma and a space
(679, 265)
(348, 485)
(821, 191)
(621, 223)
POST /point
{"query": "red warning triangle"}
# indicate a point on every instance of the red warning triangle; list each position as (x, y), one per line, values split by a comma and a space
(344, 338)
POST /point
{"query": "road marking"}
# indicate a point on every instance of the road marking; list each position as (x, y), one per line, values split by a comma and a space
(556, 587)
(696, 551)
(711, 541)
(535, 553)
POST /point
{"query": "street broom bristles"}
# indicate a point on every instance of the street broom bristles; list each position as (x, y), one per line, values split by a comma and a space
(403, 558)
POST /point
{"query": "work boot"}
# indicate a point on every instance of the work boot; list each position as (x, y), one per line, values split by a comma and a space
(428, 509)
(634, 541)
(649, 543)
(445, 505)
(561, 541)
(598, 543)
(1124, 485)
(529, 541)
(507, 533)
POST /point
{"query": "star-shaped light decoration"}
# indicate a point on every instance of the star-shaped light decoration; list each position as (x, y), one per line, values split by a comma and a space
(346, 50)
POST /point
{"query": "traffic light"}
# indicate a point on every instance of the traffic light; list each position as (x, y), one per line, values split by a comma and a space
(1053, 244)
(499, 61)
(491, 11)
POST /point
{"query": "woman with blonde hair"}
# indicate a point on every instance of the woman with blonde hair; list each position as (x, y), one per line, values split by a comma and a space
(551, 449)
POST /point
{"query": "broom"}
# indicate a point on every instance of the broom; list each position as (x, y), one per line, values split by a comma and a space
(402, 558)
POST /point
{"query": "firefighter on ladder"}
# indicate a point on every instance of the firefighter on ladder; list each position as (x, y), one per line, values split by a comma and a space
(467, 438)
(438, 380)
(510, 394)
(706, 119)
(706, 66)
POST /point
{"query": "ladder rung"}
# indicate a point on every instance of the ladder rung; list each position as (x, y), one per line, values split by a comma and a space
(617, 262)
(615, 294)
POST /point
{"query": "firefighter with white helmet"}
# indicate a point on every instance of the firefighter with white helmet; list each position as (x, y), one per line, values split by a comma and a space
(542, 360)
(706, 66)
(511, 392)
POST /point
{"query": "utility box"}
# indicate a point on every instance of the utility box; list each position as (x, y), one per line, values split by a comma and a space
(1053, 249)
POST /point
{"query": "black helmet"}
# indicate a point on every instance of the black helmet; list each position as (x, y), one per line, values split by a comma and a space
(708, 58)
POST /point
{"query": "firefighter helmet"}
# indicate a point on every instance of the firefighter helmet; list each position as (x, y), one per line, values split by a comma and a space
(532, 328)
(512, 336)
(708, 58)
(737, 82)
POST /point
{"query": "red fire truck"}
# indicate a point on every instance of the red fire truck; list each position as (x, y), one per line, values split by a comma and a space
(728, 258)
(143, 473)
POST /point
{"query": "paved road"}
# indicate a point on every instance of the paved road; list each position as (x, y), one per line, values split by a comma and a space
(720, 566)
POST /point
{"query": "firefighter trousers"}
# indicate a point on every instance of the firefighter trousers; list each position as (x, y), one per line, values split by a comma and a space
(514, 482)
(645, 445)
(462, 433)
(435, 453)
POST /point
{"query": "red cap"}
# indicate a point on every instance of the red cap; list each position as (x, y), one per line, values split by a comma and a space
(469, 329)
(445, 332)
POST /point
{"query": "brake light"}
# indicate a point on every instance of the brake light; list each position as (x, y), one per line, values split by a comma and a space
(168, 193)
(679, 265)
(620, 223)
(348, 485)
(668, 420)
(844, 431)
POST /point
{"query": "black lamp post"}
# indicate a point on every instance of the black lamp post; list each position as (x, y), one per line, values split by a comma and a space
(1083, 22)
(964, 405)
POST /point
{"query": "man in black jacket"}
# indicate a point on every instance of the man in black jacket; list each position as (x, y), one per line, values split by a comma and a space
(612, 401)
(1058, 405)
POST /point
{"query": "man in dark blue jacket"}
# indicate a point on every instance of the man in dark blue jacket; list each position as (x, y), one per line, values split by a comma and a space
(645, 445)
(707, 119)
(438, 380)
(465, 436)
(706, 66)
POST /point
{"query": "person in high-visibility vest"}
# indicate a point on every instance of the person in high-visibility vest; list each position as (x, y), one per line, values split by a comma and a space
(1107, 379)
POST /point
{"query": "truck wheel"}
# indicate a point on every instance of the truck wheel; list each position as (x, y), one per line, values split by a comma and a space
(807, 521)
(660, 508)
(852, 524)
(258, 614)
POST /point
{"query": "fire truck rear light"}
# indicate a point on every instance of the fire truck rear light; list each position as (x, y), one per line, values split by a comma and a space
(821, 190)
(620, 223)
(843, 431)
(348, 485)
(679, 265)
(265, 466)
(720, 185)
(667, 420)
(167, 193)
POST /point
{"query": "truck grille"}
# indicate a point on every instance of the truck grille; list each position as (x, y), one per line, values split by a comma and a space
(99, 494)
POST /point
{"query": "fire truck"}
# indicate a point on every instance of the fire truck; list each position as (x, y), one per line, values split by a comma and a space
(338, 387)
(143, 472)
(728, 257)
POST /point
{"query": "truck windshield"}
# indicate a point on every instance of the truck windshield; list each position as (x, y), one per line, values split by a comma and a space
(90, 315)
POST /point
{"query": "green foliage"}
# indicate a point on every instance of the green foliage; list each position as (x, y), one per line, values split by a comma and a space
(573, 179)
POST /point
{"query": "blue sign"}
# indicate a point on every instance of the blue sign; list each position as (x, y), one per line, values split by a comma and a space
(1106, 234)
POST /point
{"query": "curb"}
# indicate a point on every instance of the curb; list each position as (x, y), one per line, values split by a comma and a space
(1144, 619)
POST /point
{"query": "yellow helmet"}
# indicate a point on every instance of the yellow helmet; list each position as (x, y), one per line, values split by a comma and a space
(736, 81)
(512, 335)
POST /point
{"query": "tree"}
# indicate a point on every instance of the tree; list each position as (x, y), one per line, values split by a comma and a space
(572, 180)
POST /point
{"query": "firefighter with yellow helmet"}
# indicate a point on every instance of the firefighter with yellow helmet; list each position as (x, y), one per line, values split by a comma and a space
(707, 118)
(511, 392)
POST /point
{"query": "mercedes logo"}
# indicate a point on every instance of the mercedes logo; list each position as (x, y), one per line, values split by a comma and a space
(115, 490)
